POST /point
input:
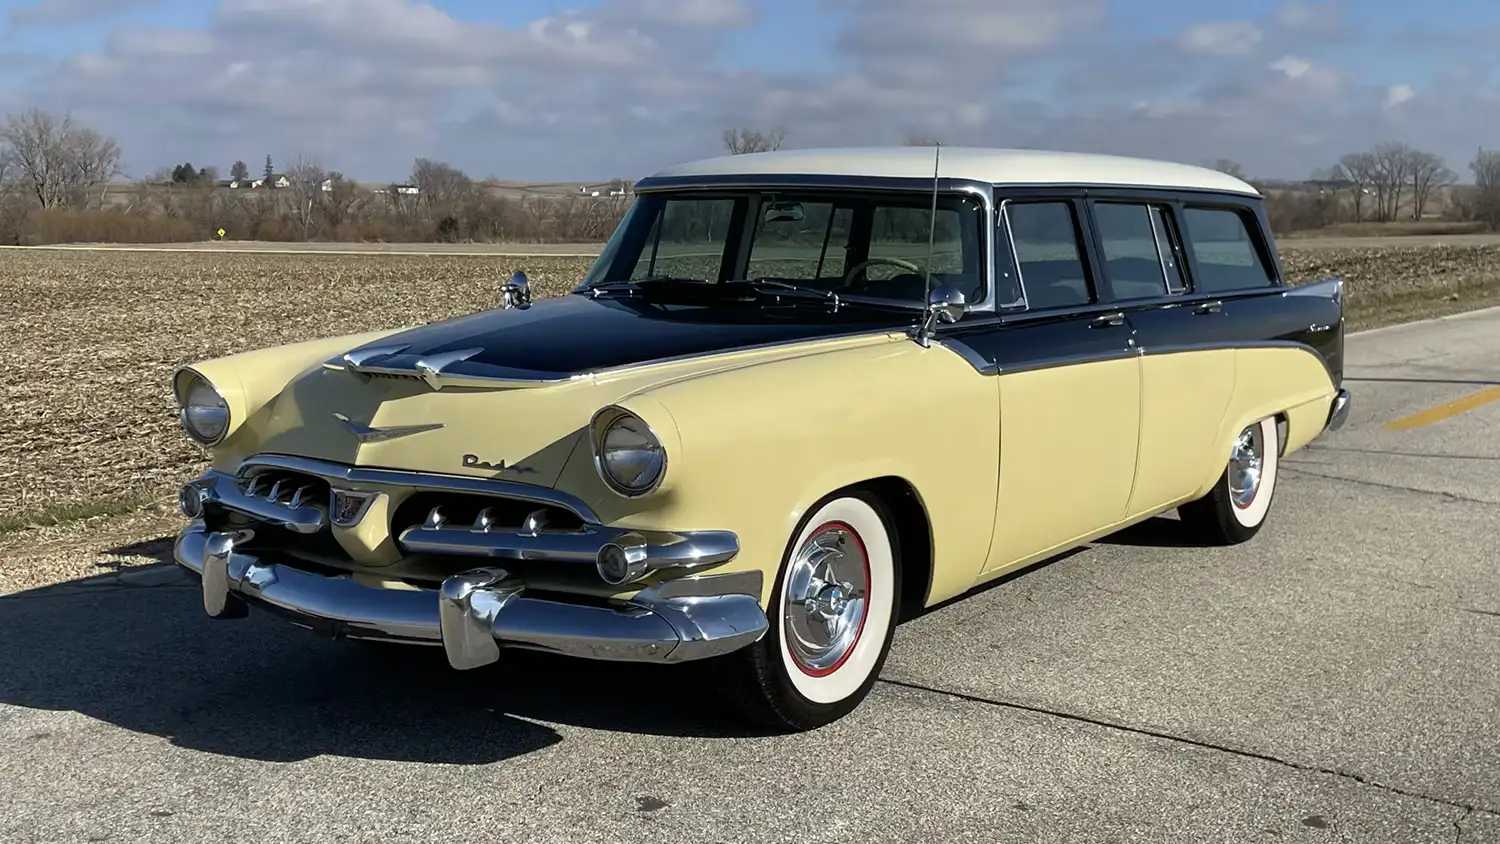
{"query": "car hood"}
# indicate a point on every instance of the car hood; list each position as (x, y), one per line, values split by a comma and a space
(511, 408)
(576, 334)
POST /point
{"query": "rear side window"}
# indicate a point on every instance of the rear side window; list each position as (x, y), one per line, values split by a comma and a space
(1139, 250)
(1226, 251)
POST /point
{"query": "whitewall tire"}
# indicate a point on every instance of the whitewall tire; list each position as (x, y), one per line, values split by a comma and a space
(832, 616)
(1236, 508)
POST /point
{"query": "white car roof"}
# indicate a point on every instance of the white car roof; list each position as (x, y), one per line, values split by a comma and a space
(995, 166)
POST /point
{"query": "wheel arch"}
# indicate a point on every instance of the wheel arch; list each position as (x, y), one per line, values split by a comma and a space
(908, 515)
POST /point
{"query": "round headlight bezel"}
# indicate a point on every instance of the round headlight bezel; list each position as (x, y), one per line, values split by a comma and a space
(188, 382)
(611, 419)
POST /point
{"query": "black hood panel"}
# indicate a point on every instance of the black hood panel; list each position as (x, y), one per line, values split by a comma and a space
(573, 334)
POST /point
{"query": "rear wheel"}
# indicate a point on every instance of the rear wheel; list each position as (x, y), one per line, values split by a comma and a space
(1236, 508)
(832, 616)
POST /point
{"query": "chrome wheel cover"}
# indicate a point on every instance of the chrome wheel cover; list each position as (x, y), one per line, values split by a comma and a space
(1245, 467)
(823, 610)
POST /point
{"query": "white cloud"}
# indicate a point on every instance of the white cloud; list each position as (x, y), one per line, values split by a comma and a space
(1398, 94)
(1221, 38)
(1292, 67)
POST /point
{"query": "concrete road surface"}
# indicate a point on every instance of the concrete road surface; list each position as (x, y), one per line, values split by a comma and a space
(1336, 679)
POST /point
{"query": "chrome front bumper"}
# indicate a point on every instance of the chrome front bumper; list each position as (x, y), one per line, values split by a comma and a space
(476, 613)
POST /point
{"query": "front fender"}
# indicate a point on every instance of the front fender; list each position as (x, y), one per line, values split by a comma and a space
(751, 449)
(250, 381)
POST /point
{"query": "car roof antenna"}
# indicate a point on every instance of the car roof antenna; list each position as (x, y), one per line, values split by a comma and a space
(924, 328)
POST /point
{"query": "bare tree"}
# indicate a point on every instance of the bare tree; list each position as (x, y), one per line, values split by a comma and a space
(1361, 171)
(306, 177)
(740, 141)
(440, 186)
(240, 171)
(1428, 172)
(1486, 195)
(339, 201)
(1391, 165)
(61, 163)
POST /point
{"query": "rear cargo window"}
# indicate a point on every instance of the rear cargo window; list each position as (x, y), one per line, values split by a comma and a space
(1228, 258)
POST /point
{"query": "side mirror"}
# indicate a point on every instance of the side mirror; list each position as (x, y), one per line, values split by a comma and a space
(517, 293)
(944, 304)
(947, 303)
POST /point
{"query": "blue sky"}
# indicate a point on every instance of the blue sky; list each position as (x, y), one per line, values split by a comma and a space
(584, 90)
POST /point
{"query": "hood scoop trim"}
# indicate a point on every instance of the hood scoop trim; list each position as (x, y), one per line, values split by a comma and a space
(442, 369)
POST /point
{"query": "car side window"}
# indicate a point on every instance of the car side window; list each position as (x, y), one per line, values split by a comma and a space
(1045, 236)
(1139, 253)
(1225, 250)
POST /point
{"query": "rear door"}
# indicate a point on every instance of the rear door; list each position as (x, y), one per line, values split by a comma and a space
(1187, 366)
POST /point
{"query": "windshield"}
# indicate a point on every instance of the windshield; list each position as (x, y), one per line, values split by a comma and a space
(854, 244)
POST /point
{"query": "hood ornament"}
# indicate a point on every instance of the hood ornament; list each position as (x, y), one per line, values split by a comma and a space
(367, 434)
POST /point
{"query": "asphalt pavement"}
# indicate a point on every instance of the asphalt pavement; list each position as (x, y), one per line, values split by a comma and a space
(1335, 679)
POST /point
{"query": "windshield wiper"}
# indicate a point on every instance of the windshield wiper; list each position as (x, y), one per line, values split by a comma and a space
(757, 284)
(634, 285)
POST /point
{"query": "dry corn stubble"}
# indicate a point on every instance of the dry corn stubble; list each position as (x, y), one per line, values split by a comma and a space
(93, 337)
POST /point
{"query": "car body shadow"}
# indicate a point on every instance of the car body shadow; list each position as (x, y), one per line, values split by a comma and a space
(133, 648)
(1156, 532)
(136, 650)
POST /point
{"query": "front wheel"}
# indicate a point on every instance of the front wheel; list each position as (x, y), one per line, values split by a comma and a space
(1236, 508)
(832, 616)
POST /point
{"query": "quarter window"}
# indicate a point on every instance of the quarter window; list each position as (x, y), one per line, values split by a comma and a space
(1225, 250)
(1046, 252)
(1139, 251)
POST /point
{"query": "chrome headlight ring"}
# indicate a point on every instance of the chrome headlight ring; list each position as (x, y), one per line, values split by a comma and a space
(628, 455)
(201, 408)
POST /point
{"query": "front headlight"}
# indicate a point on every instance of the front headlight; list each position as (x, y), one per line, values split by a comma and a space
(627, 453)
(203, 412)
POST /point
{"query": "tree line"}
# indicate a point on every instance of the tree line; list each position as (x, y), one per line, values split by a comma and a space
(59, 182)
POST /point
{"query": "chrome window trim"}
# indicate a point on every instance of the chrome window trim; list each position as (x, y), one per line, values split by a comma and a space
(984, 191)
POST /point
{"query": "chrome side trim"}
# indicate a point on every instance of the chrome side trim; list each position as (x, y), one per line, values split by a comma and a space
(986, 367)
(967, 352)
(1329, 288)
(375, 480)
(478, 613)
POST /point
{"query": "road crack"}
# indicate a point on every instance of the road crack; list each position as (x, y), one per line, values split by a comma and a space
(1451, 496)
(1203, 745)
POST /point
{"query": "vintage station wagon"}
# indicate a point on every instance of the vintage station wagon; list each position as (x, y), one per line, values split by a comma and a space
(799, 396)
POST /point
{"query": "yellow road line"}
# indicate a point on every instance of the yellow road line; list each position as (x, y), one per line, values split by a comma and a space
(1444, 411)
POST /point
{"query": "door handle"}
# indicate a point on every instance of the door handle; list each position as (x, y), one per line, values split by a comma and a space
(1209, 308)
(1116, 318)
